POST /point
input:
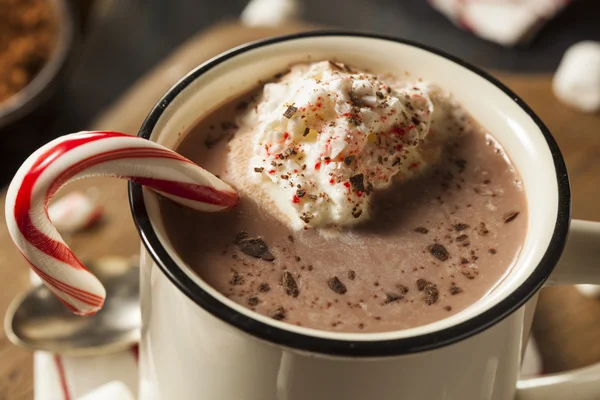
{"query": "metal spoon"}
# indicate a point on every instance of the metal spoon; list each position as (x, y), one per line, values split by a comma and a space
(38, 321)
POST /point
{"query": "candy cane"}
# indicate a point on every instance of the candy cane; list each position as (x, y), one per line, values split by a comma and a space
(86, 154)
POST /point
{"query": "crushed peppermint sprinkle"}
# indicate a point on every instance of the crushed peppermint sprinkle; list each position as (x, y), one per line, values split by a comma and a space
(353, 129)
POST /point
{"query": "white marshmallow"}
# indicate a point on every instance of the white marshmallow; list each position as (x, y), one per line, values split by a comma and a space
(590, 291)
(74, 212)
(115, 390)
(269, 12)
(577, 80)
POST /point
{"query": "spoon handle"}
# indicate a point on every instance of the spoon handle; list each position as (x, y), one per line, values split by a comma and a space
(87, 154)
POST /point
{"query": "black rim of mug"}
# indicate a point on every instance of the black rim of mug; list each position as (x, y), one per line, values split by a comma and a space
(366, 348)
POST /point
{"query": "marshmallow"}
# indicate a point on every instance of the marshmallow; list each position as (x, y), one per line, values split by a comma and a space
(74, 212)
(505, 22)
(590, 291)
(269, 12)
(577, 80)
(115, 390)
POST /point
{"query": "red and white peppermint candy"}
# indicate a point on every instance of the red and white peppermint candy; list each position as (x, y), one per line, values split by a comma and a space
(95, 154)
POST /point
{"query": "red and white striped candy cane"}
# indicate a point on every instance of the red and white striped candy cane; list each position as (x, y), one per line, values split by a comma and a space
(86, 154)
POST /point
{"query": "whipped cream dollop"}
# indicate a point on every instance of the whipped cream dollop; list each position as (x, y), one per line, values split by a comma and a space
(328, 136)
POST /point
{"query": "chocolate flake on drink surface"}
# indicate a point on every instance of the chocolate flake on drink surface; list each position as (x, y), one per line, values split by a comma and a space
(392, 297)
(454, 290)
(430, 289)
(336, 285)
(306, 130)
(483, 230)
(402, 289)
(289, 284)
(492, 251)
(236, 278)
(348, 160)
(351, 275)
(462, 238)
(253, 301)
(438, 251)
(508, 217)
(258, 169)
(420, 229)
(290, 111)
(279, 314)
(254, 247)
(264, 287)
(460, 227)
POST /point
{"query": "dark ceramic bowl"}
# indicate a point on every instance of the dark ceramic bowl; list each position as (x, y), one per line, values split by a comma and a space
(52, 73)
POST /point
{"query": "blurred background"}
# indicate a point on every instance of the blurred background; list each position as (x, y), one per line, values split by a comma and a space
(116, 42)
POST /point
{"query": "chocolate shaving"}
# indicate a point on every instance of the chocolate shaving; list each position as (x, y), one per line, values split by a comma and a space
(289, 284)
(431, 291)
(259, 169)
(356, 213)
(336, 285)
(264, 287)
(415, 120)
(454, 290)
(355, 100)
(508, 217)
(460, 227)
(420, 229)
(236, 278)
(379, 94)
(468, 274)
(351, 275)
(438, 251)
(369, 188)
(253, 301)
(289, 113)
(300, 193)
(306, 130)
(403, 289)
(354, 120)
(254, 247)
(492, 251)
(358, 182)
(462, 238)
(392, 297)
(279, 314)
(348, 160)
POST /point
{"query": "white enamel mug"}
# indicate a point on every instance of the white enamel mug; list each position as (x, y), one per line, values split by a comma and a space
(197, 344)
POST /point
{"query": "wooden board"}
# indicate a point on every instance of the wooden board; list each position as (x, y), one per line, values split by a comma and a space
(567, 325)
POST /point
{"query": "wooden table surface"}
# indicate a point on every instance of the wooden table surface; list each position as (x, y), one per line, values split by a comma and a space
(567, 325)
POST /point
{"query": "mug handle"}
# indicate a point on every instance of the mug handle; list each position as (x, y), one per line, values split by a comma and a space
(579, 264)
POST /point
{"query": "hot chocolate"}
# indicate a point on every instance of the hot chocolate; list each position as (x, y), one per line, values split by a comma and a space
(429, 227)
